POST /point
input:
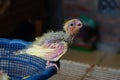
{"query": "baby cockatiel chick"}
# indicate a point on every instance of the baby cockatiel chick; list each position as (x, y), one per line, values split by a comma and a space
(4, 76)
(53, 45)
(72, 27)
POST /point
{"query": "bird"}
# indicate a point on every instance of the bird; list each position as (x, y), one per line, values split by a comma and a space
(51, 46)
(4, 76)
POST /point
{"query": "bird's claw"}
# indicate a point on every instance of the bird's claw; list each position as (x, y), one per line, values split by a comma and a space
(49, 64)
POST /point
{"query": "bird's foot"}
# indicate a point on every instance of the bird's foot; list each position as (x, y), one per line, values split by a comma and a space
(49, 64)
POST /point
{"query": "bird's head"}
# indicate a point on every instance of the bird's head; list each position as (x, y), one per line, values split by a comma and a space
(72, 26)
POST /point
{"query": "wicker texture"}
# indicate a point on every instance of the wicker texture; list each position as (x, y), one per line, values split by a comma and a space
(18, 66)
(71, 70)
(101, 73)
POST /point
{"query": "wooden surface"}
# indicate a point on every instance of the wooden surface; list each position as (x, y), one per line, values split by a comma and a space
(104, 59)
(111, 60)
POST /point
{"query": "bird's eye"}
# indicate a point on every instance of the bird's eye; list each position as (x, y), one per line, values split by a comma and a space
(71, 24)
(79, 24)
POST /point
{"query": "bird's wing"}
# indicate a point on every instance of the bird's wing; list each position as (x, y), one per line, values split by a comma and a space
(60, 49)
(52, 51)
